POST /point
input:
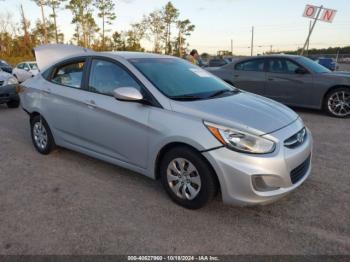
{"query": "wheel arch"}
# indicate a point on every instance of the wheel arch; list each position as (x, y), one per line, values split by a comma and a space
(330, 90)
(171, 145)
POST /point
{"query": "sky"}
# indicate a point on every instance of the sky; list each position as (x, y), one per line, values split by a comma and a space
(278, 24)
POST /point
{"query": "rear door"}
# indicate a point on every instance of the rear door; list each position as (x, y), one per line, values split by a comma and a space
(288, 82)
(64, 100)
(250, 76)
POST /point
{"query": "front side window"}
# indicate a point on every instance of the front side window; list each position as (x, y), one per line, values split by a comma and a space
(178, 79)
(256, 65)
(26, 67)
(282, 65)
(20, 66)
(106, 76)
(33, 66)
(69, 74)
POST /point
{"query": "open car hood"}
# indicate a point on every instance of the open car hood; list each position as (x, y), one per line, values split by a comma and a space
(47, 55)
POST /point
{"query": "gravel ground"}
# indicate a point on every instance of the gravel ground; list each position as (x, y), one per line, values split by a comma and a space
(68, 203)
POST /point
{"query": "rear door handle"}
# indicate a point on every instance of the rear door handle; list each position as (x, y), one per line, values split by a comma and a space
(271, 79)
(236, 75)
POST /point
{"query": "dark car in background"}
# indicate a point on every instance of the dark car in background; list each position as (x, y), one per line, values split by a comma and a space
(217, 62)
(8, 94)
(5, 66)
(327, 62)
(292, 80)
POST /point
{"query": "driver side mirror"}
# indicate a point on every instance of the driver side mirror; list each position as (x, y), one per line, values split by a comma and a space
(301, 71)
(130, 94)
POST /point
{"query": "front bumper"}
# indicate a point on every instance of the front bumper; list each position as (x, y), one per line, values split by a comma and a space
(235, 170)
(8, 93)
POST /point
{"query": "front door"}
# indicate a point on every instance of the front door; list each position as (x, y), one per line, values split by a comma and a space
(64, 101)
(287, 81)
(110, 127)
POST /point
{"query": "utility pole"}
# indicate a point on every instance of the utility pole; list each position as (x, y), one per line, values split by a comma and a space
(308, 42)
(231, 46)
(270, 49)
(252, 43)
(311, 29)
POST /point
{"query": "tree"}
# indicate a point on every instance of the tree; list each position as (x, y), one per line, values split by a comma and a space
(118, 41)
(185, 28)
(170, 15)
(156, 26)
(55, 5)
(105, 11)
(135, 35)
(41, 4)
(82, 18)
(42, 33)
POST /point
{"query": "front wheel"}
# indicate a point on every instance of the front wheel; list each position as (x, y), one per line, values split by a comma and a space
(187, 178)
(337, 102)
(41, 135)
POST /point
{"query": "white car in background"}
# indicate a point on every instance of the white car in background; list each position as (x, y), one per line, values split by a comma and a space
(25, 70)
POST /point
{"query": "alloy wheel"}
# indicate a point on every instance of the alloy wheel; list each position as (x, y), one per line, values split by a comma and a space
(40, 135)
(339, 103)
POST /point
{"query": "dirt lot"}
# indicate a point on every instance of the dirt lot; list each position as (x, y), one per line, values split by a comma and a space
(68, 203)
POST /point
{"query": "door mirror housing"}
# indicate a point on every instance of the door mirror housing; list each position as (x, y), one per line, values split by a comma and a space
(301, 71)
(130, 94)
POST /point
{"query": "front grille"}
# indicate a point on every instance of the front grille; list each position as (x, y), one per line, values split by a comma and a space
(299, 172)
(1, 83)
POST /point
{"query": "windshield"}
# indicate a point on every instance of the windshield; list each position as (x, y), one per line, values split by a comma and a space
(177, 78)
(312, 65)
(33, 66)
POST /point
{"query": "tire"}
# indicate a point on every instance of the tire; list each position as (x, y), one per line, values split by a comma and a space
(42, 138)
(202, 180)
(13, 104)
(337, 102)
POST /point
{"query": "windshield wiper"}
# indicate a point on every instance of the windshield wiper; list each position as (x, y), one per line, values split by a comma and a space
(224, 91)
(186, 97)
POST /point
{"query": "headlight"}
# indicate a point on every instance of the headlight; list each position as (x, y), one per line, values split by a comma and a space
(241, 141)
(11, 81)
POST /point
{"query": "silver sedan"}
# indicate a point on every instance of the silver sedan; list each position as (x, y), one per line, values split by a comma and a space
(167, 119)
(291, 80)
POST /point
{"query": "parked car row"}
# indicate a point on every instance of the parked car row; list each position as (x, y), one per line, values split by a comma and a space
(21, 71)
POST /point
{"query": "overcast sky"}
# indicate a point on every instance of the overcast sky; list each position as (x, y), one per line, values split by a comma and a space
(277, 22)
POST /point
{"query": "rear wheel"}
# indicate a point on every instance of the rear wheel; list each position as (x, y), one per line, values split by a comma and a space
(187, 178)
(13, 104)
(337, 102)
(41, 135)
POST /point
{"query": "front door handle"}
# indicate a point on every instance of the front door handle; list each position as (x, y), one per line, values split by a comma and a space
(90, 103)
(236, 75)
(271, 79)
(47, 91)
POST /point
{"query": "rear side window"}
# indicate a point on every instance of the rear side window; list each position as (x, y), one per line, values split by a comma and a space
(69, 74)
(256, 65)
(106, 76)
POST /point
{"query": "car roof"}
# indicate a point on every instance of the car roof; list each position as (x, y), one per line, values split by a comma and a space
(131, 55)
